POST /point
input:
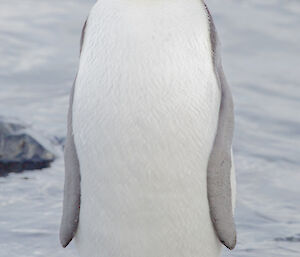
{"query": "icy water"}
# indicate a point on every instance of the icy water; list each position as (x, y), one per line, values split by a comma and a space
(261, 50)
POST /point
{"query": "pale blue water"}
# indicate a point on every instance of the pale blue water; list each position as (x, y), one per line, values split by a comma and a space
(261, 50)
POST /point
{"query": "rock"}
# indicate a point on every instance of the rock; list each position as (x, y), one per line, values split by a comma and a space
(20, 150)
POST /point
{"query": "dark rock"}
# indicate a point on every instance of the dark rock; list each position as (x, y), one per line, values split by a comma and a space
(20, 150)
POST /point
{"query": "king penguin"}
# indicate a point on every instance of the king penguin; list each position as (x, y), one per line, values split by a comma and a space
(148, 160)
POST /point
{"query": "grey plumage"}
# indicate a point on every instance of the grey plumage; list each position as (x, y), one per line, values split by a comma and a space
(71, 205)
(219, 164)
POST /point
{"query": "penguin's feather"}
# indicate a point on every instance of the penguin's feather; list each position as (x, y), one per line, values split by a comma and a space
(220, 161)
(219, 165)
(71, 204)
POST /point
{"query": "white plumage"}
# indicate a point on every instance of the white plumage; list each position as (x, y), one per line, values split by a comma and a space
(145, 116)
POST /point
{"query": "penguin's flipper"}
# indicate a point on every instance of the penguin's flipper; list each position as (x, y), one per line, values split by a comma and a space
(71, 204)
(220, 161)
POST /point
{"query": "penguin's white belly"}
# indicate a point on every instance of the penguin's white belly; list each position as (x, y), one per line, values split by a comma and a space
(145, 115)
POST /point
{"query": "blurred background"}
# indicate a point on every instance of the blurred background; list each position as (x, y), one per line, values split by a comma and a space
(39, 53)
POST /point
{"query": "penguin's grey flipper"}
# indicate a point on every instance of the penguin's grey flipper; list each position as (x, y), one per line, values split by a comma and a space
(219, 164)
(71, 204)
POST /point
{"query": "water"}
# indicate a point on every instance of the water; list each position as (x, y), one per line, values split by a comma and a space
(39, 56)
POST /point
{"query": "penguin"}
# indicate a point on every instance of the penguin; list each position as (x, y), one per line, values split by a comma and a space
(148, 154)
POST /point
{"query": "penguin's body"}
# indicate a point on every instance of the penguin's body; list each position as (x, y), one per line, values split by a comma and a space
(144, 118)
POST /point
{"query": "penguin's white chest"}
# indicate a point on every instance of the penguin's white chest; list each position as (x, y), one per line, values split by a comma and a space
(145, 115)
